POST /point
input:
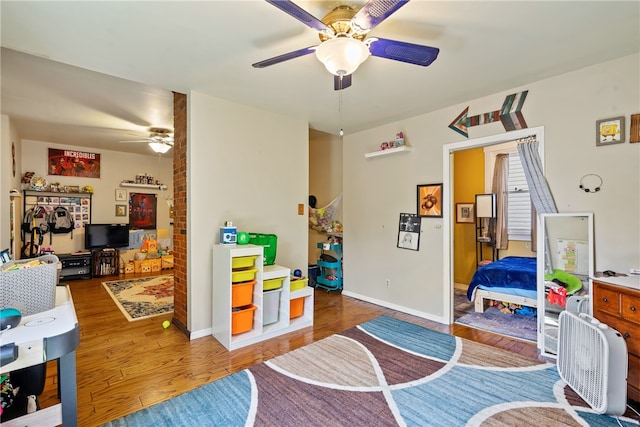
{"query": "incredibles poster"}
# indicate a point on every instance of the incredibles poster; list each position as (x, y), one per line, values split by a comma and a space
(74, 163)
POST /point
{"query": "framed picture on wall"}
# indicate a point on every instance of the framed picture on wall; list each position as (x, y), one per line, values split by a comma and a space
(409, 231)
(610, 131)
(464, 213)
(121, 210)
(121, 195)
(430, 200)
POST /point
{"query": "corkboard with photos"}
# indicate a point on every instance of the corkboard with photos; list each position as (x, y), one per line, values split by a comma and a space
(78, 204)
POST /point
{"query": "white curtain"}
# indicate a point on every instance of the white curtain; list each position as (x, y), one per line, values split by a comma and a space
(538, 186)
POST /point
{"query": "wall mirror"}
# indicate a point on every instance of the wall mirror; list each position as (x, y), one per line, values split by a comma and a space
(564, 270)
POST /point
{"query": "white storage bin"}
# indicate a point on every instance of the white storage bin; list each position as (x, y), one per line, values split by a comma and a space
(271, 306)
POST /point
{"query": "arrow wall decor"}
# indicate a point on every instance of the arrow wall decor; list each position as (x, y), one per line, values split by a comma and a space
(510, 116)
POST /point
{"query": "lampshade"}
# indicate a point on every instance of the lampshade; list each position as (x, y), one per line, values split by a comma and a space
(159, 147)
(342, 55)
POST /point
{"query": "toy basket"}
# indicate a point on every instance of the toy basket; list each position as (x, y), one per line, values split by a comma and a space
(29, 290)
(269, 242)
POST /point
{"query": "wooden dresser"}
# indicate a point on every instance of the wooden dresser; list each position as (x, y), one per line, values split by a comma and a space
(616, 302)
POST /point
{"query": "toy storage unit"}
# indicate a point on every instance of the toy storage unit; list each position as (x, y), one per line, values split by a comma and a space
(330, 276)
(268, 312)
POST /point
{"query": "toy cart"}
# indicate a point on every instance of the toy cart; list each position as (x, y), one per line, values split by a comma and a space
(330, 276)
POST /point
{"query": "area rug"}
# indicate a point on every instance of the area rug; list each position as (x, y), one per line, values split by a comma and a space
(143, 297)
(385, 372)
(493, 320)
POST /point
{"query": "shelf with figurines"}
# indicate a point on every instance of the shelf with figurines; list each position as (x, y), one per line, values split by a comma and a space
(144, 181)
(33, 182)
(398, 145)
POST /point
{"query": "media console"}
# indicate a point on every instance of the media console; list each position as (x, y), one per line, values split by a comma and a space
(75, 266)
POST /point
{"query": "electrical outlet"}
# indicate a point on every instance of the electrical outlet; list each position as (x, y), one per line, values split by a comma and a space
(387, 282)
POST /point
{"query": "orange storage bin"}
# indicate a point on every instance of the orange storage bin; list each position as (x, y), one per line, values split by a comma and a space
(242, 293)
(242, 319)
(296, 307)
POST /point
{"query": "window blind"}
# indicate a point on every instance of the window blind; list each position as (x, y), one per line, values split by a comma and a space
(519, 216)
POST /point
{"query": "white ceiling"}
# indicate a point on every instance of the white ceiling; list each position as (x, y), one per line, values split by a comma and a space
(155, 47)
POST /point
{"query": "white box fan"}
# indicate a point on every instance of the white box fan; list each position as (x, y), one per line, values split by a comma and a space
(592, 360)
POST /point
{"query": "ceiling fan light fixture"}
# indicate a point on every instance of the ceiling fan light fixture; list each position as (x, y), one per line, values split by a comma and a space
(342, 55)
(159, 147)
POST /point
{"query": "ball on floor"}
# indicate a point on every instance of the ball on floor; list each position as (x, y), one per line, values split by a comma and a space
(166, 324)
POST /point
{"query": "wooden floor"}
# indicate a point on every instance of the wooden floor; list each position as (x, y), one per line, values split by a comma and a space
(126, 366)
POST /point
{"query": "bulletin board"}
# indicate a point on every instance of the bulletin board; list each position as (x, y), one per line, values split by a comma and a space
(572, 256)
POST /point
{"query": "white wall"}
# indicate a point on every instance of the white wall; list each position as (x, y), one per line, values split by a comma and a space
(8, 135)
(248, 166)
(325, 180)
(115, 167)
(377, 189)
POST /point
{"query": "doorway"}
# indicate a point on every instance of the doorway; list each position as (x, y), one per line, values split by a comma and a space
(449, 220)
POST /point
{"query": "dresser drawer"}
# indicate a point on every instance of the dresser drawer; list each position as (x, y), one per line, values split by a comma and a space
(606, 299)
(629, 331)
(631, 308)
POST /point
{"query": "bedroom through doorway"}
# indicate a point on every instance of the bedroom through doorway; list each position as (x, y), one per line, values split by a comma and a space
(496, 316)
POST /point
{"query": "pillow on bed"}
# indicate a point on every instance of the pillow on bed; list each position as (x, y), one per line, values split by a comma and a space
(573, 283)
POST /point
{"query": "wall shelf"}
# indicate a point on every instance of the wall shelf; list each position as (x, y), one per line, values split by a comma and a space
(388, 151)
(133, 184)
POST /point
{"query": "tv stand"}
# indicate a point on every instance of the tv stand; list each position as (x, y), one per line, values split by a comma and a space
(105, 262)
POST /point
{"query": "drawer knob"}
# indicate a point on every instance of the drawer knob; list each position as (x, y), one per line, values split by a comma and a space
(605, 299)
(626, 335)
(633, 308)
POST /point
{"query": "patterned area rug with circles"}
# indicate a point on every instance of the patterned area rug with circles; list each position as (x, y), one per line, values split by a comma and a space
(142, 297)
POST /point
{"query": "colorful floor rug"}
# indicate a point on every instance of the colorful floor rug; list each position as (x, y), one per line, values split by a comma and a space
(385, 372)
(493, 320)
(142, 297)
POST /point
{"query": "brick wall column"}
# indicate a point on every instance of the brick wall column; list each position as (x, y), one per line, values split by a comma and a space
(180, 211)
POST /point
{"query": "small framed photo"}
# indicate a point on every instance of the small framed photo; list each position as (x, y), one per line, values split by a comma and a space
(634, 134)
(430, 200)
(610, 131)
(121, 210)
(121, 195)
(409, 231)
(464, 213)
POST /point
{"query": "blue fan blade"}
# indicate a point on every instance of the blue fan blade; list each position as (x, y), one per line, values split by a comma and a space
(284, 57)
(301, 15)
(341, 82)
(403, 51)
(373, 13)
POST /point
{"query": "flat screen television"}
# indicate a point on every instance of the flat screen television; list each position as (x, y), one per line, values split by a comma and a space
(100, 236)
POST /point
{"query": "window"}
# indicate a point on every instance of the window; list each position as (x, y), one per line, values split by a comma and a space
(519, 215)
(519, 219)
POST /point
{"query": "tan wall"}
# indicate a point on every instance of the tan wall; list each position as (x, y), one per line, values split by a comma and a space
(468, 178)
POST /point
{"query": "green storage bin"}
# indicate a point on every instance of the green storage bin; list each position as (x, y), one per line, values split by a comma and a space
(269, 242)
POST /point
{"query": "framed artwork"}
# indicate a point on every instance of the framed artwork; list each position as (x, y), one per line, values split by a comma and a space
(121, 195)
(143, 210)
(610, 131)
(430, 200)
(464, 213)
(634, 134)
(409, 231)
(121, 210)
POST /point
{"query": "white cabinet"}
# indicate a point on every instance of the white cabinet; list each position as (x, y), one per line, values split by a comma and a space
(223, 260)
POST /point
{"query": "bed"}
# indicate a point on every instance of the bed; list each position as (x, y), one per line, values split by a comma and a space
(510, 279)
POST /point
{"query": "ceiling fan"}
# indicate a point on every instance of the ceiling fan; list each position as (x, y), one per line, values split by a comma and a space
(343, 43)
(160, 140)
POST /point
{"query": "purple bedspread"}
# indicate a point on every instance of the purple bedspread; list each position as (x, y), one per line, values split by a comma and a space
(509, 272)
